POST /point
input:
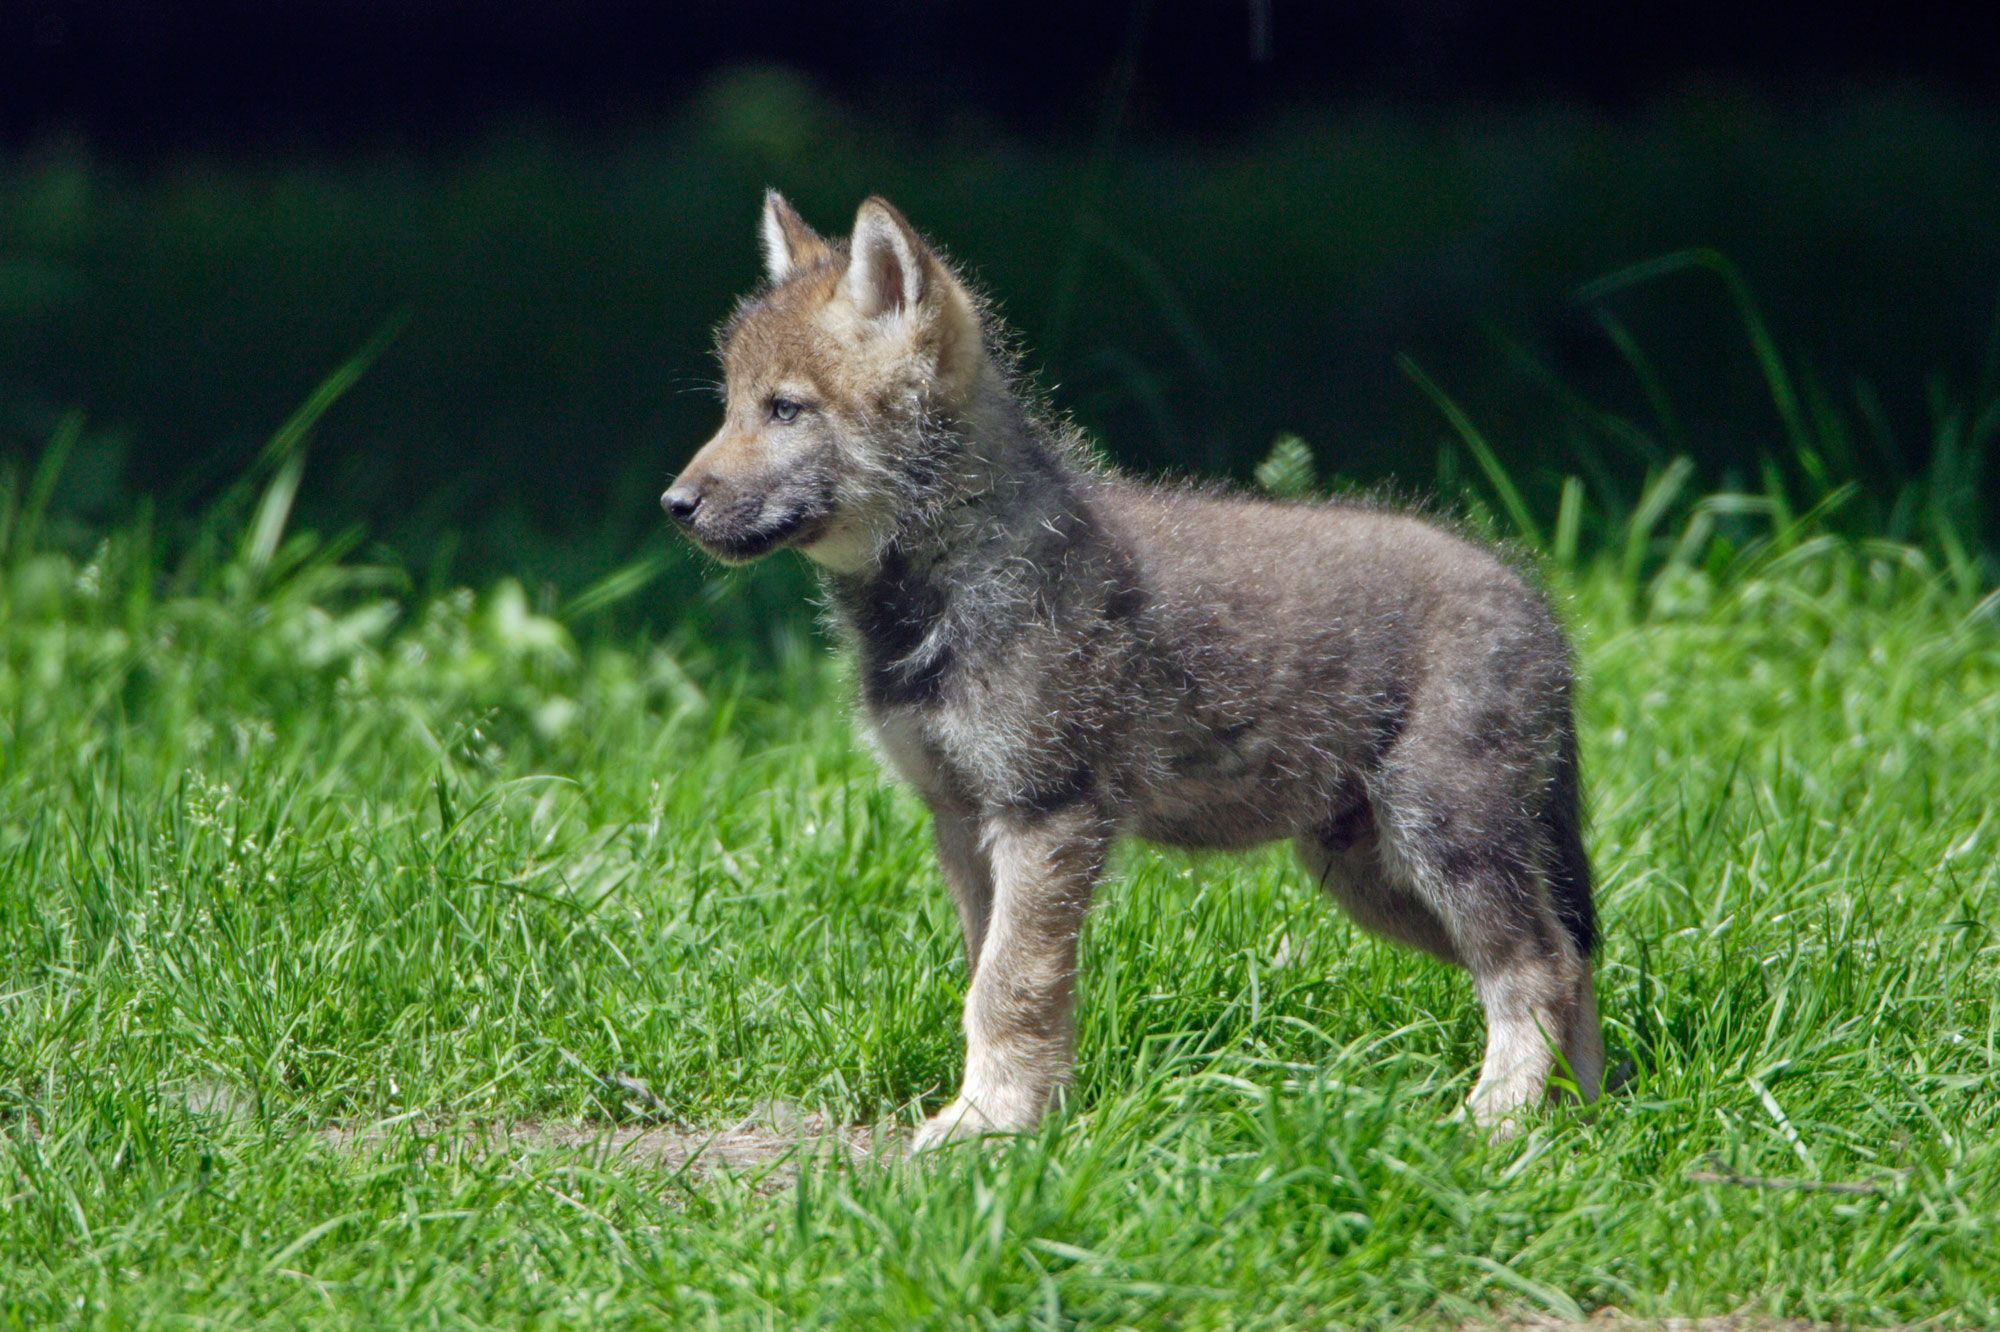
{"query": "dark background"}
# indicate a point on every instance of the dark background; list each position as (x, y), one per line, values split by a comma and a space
(1210, 223)
(327, 74)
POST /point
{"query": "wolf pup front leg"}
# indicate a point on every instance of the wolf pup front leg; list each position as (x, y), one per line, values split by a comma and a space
(1019, 1020)
(1055, 656)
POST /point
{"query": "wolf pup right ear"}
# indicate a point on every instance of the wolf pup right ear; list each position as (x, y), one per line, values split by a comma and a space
(887, 272)
(789, 244)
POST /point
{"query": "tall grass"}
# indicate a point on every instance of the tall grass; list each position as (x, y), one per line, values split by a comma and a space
(1192, 298)
(1815, 485)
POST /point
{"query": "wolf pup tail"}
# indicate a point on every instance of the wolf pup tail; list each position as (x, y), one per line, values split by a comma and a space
(1569, 869)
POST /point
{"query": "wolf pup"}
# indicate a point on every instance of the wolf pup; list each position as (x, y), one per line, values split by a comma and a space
(1053, 657)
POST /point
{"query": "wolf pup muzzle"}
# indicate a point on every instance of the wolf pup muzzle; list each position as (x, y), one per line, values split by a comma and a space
(738, 528)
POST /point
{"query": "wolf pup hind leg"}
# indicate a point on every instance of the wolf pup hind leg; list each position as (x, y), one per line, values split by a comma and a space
(1055, 656)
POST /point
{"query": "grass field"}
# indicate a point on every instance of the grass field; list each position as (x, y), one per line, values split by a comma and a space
(340, 921)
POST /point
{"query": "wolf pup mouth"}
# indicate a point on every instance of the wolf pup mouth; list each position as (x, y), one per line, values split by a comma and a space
(749, 545)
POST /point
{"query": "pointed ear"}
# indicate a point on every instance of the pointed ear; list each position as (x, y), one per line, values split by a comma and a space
(888, 270)
(789, 244)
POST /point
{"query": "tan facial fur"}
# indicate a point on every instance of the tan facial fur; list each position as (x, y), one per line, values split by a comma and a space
(876, 342)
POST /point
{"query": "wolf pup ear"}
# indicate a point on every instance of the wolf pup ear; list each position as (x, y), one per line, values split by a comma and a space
(789, 244)
(886, 271)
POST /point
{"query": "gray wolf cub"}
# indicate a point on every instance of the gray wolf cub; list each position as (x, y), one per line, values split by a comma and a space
(1053, 656)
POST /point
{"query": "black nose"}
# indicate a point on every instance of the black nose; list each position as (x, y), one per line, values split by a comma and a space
(681, 501)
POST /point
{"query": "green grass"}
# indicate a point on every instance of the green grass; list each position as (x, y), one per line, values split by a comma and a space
(285, 846)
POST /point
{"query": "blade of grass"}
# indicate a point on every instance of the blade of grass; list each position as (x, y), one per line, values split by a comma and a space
(1482, 453)
(1662, 489)
(1569, 524)
(1777, 378)
(1649, 379)
(26, 528)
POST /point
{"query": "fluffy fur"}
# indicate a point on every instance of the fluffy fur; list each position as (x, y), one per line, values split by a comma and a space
(1054, 657)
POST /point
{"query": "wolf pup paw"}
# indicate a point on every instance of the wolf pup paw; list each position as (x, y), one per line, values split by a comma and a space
(961, 1121)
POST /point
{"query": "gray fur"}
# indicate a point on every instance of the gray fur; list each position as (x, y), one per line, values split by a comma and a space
(1055, 657)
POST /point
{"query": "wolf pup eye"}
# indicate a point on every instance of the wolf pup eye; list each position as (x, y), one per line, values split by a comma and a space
(784, 409)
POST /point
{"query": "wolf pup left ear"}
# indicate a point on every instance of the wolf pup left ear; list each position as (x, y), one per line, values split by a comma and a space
(886, 273)
(789, 244)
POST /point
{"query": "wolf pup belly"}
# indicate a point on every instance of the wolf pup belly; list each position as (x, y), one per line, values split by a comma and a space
(1053, 657)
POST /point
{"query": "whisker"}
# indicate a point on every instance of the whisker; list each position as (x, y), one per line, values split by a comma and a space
(713, 387)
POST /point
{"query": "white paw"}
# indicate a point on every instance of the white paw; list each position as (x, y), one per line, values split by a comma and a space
(1503, 1111)
(1498, 1128)
(958, 1122)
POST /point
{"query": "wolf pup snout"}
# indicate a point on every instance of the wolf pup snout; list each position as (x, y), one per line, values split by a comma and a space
(1055, 656)
(681, 501)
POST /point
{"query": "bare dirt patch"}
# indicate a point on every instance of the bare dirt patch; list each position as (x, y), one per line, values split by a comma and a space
(767, 1145)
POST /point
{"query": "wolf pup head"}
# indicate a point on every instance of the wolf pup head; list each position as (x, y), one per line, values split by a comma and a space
(843, 376)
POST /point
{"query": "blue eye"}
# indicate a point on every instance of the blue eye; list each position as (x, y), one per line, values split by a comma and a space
(784, 409)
